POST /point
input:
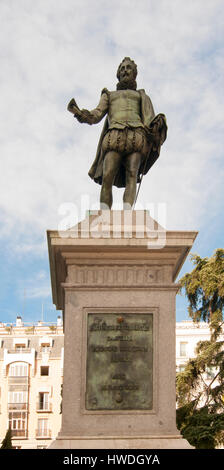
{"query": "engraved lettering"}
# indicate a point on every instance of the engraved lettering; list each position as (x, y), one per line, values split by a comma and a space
(97, 326)
(128, 387)
(119, 377)
(119, 338)
(119, 367)
(119, 358)
(99, 349)
(133, 349)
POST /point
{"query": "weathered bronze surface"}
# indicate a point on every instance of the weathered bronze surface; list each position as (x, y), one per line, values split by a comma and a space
(119, 374)
(131, 137)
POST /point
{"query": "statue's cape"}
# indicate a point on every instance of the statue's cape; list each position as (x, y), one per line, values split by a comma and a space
(156, 129)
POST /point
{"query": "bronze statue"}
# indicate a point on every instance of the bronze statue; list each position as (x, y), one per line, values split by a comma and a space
(131, 138)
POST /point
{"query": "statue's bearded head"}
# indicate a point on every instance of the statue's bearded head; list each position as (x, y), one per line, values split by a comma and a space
(126, 74)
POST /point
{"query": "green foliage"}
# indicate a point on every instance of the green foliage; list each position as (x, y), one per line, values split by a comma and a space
(6, 443)
(201, 428)
(52, 328)
(8, 329)
(30, 330)
(200, 416)
(204, 287)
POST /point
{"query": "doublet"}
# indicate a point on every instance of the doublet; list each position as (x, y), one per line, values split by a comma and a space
(130, 109)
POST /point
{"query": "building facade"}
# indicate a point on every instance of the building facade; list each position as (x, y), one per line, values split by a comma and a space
(188, 334)
(31, 377)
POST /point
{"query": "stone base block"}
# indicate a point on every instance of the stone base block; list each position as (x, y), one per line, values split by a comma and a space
(137, 442)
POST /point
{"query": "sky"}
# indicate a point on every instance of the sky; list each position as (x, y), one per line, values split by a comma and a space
(53, 50)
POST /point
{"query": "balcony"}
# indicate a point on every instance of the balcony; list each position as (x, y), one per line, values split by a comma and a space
(19, 351)
(44, 407)
(18, 380)
(17, 406)
(45, 349)
(21, 433)
(43, 433)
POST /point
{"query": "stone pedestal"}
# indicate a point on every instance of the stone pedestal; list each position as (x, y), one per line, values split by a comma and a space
(113, 275)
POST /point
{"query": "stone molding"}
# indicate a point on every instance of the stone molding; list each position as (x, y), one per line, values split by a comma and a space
(103, 275)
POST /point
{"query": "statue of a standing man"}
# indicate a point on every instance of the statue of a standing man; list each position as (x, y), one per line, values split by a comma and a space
(131, 138)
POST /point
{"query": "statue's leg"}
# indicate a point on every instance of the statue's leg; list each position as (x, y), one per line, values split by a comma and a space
(111, 164)
(132, 164)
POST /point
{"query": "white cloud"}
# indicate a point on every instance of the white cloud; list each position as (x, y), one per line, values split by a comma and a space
(38, 292)
(52, 51)
(33, 287)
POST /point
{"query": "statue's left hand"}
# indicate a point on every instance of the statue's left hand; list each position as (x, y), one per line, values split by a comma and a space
(158, 130)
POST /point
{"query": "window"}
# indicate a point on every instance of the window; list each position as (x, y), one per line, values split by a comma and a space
(20, 348)
(211, 372)
(17, 397)
(183, 349)
(18, 369)
(17, 423)
(181, 367)
(43, 403)
(20, 343)
(45, 348)
(44, 370)
(45, 343)
(17, 400)
(42, 430)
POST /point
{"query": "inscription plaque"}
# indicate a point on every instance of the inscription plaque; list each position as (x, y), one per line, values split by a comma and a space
(119, 374)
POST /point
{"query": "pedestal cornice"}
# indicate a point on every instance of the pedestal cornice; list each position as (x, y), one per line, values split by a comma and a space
(116, 249)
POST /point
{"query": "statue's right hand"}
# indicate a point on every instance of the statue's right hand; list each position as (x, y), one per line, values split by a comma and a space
(73, 107)
(82, 115)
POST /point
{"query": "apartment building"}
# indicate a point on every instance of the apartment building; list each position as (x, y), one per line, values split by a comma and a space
(31, 375)
(188, 334)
